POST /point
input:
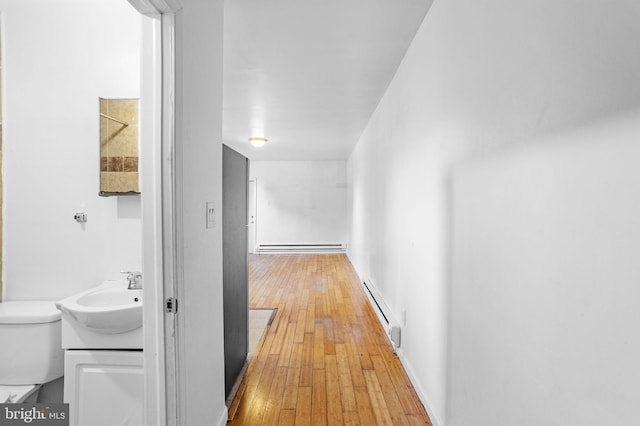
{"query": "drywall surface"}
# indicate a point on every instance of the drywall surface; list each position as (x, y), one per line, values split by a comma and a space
(58, 58)
(300, 202)
(545, 288)
(481, 76)
(199, 181)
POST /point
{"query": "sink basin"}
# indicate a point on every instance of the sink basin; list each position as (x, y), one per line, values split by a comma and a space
(110, 308)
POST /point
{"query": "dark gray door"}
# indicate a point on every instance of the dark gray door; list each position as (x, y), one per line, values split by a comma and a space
(235, 178)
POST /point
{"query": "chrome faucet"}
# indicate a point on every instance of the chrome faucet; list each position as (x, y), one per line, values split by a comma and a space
(134, 278)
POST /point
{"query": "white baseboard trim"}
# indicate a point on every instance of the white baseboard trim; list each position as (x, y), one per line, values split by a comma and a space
(435, 418)
(299, 248)
(224, 416)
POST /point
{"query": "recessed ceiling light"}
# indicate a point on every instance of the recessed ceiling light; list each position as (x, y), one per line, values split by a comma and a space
(258, 142)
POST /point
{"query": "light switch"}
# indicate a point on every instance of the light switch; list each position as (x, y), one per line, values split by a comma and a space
(211, 214)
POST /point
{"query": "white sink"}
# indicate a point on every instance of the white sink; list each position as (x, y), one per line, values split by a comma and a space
(110, 308)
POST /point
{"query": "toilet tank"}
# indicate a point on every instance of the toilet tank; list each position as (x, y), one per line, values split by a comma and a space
(31, 351)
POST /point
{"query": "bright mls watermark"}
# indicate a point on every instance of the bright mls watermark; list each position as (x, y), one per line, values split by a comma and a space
(34, 414)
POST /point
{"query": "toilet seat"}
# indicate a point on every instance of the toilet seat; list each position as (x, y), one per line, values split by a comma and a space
(10, 394)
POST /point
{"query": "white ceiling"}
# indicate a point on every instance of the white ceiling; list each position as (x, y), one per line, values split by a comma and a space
(307, 74)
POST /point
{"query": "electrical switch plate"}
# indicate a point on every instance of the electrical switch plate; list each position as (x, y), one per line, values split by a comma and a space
(211, 214)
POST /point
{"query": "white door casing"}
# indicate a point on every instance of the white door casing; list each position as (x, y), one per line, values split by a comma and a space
(157, 142)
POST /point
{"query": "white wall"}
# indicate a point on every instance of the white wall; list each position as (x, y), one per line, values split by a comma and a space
(199, 180)
(545, 288)
(480, 76)
(300, 202)
(58, 58)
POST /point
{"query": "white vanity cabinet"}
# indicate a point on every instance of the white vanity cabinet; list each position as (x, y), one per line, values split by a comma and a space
(103, 369)
(104, 387)
(102, 339)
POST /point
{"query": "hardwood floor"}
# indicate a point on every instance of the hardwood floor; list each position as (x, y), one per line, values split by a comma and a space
(325, 360)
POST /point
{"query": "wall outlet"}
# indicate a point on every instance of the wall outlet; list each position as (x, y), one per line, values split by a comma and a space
(395, 333)
(80, 217)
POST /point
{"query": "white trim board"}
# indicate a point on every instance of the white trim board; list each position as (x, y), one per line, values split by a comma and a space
(223, 418)
(435, 419)
(300, 248)
(380, 306)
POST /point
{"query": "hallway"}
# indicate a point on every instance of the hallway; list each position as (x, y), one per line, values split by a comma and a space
(325, 358)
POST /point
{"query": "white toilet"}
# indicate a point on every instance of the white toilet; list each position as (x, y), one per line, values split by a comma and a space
(31, 353)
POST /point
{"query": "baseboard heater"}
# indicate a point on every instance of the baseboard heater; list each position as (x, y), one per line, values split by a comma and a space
(300, 248)
(384, 314)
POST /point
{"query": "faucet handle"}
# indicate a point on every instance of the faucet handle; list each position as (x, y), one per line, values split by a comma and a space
(133, 277)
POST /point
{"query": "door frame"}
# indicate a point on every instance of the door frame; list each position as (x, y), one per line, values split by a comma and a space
(159, 212)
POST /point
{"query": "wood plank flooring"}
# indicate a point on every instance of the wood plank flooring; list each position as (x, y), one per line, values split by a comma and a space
(325, 359)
